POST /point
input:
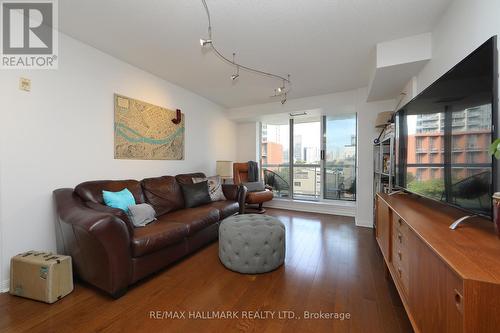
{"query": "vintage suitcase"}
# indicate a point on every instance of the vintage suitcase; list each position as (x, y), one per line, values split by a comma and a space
(42, 276)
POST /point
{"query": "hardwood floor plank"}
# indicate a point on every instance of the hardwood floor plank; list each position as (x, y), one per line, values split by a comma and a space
(330, 266)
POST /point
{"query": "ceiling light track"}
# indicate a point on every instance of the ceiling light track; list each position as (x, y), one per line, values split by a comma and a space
(281, 91)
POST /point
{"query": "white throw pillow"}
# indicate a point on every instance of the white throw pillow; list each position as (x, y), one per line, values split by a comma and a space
(214, 187)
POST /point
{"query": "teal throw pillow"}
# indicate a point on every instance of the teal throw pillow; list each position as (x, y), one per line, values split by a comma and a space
(121, 200)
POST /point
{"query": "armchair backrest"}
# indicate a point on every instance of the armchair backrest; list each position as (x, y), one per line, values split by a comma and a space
(240, 173)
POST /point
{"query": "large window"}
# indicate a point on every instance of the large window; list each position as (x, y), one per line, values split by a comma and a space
(275, 156)
(340, 157)
(311, 157)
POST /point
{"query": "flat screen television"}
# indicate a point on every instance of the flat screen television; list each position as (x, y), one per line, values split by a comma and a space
(443, 135)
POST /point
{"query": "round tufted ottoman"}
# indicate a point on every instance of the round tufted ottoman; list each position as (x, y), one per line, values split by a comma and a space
(252, 243)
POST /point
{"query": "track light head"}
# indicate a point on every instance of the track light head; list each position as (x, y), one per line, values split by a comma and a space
(283, 100)
(205, 42)
(235, 76)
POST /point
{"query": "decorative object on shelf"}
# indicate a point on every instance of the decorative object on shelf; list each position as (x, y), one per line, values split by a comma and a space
(282, 91)
(383, 122)
(496, 212)
(224, 169)
(145, 131)
(383, 118)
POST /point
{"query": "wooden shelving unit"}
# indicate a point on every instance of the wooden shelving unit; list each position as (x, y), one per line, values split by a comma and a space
(383, 166)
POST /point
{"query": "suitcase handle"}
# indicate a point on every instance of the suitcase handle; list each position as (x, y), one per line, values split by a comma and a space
(55, 258)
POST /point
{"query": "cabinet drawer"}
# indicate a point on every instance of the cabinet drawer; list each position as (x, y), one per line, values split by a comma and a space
(400, 263)
(399, 239)
(399, 224)
(403, 275)
(400, 260)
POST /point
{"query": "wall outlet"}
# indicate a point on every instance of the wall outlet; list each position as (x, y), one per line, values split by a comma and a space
(24, 84)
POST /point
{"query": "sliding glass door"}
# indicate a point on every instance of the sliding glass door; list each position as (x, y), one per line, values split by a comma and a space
(275, 156)
(340, 157)
(310, 157)
(306, 158)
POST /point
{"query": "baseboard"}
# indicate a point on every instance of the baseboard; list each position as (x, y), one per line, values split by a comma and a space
(4, 286)
(314, 207)
(364, 224)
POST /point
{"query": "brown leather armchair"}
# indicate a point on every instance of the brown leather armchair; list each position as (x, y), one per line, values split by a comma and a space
(240, 174)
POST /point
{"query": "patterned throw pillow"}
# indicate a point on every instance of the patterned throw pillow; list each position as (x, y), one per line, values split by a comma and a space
(214, 187)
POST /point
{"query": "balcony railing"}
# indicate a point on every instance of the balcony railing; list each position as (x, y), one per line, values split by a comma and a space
(340, 181)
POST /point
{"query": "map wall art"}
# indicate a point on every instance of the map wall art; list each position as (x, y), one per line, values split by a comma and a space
(145, 131)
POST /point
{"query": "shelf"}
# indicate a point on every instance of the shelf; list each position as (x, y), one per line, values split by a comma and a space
(382, 173)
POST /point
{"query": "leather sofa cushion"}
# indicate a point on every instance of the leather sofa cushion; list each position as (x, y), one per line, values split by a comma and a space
(259, 197)
(163, 193)
(194, 218)
(226, 208)
(156, 236)
(92, 190)
(187, 178)
(196, 194)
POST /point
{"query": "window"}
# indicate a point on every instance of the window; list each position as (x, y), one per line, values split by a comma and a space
(419, 142)
(340, 157)
(472, 141)
(432, 143)
(310, 157)
(274, 156)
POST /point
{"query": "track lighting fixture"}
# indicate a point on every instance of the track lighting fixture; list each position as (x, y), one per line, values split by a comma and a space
(281, 91)
(237, 74)
(283, 99)
(205, 42)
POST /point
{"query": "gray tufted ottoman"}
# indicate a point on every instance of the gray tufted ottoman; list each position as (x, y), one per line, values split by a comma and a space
(252, 243)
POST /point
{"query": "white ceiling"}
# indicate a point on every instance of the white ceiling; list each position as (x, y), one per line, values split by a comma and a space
(326, 45)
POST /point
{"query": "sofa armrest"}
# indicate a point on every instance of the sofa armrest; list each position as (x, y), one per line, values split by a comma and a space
(236, 193)
(230, 191)
(113, 211)
(98, 242)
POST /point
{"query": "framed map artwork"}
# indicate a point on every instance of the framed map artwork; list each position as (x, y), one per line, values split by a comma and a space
(145, 131)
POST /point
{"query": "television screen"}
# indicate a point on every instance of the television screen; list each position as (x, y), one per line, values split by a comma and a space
(443, 135)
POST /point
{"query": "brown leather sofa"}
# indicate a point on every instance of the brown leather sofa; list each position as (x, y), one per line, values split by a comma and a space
(109, 253)
(240, 175)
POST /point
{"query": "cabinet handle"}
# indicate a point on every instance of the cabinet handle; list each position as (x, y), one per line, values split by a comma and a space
(400, 222)
(400, 238)
(400, 272)
(399, 255)
(458, 300)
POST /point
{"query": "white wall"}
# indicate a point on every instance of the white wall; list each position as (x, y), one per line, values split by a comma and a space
(464, 26)
(61, 133)
(248, 135)
(340, 103)
(404, 50)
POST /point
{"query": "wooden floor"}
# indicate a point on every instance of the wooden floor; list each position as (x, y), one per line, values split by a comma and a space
(331, 266)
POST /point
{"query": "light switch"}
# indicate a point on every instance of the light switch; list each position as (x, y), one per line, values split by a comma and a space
(24, 84)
